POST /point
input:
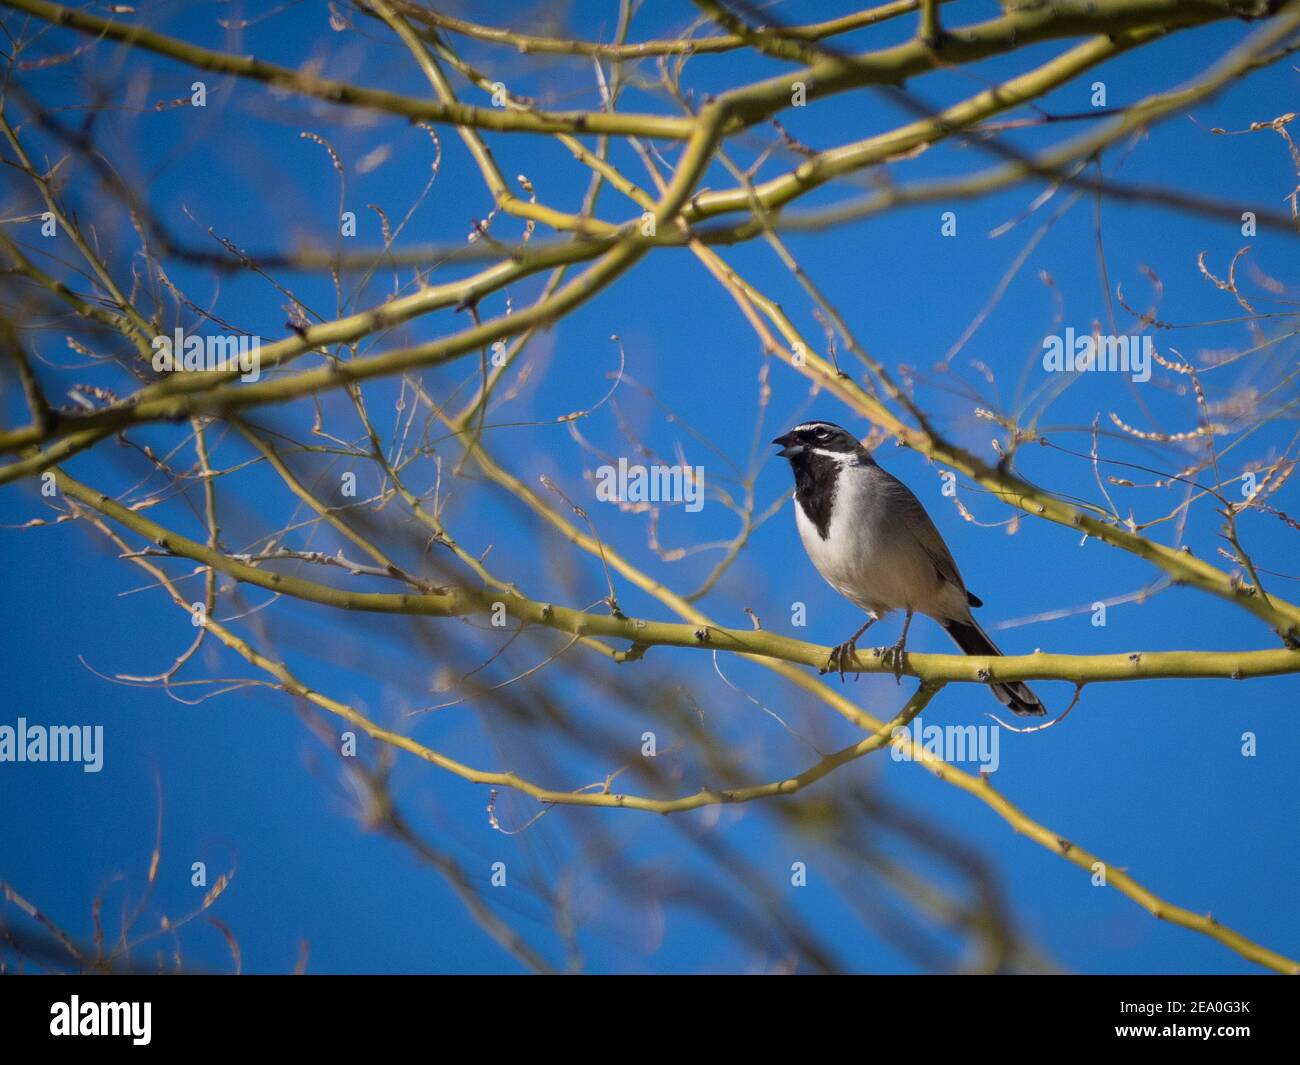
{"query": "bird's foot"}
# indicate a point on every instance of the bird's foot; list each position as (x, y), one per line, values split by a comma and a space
(894, 656)
(841, 655)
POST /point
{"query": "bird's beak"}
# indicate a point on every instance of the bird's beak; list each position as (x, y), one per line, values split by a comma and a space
(788, 446)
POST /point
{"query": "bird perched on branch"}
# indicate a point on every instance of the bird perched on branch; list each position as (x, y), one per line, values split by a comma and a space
(873, 542)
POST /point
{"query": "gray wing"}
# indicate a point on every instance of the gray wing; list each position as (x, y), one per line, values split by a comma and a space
(911, 515)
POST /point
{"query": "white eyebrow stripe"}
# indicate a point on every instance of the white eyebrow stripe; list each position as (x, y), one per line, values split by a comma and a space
(844, 458)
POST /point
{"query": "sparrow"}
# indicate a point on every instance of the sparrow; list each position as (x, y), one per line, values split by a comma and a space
(872, 541)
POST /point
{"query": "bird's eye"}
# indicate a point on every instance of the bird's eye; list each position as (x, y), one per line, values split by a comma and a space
(823, 434)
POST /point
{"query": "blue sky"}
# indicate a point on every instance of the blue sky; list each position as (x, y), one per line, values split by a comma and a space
(1148, 775)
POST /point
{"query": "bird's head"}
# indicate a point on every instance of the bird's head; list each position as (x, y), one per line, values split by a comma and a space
(818, 438)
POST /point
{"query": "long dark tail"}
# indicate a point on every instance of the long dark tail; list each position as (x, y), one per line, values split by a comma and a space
(974, 641)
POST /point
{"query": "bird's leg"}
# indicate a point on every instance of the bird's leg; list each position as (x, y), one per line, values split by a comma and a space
(896, 652)
(841, 653)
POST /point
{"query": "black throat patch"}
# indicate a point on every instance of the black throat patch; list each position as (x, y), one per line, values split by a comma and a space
(816, 481)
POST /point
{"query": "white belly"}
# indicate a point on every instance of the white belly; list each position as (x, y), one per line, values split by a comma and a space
(872, 566)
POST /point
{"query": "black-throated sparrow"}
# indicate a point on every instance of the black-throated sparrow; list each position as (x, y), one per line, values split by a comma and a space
(873, 542)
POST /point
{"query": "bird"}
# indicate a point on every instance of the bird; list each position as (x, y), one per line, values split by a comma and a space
(873, 542)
